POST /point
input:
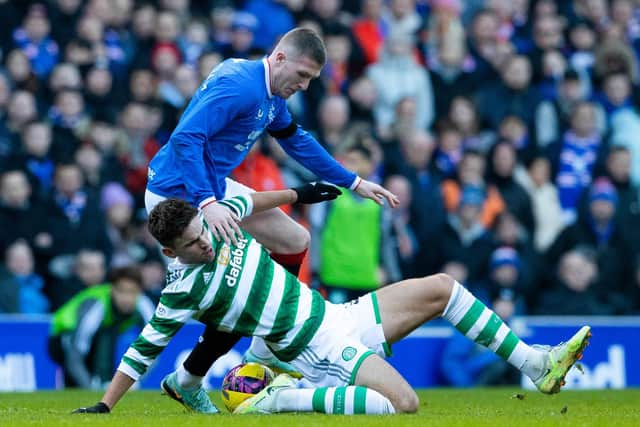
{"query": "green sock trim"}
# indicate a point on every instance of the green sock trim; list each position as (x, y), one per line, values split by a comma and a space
(318, 400)
(489, 331)
(360, 400)
(470, 317)
(506, 348)
(339, 397)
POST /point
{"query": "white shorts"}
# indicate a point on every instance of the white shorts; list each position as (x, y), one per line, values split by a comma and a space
(348, 334)
(234, 188)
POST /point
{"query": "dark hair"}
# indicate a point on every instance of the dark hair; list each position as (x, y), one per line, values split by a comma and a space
(306, 43)
(130, 272)
(168, 220)
(361, 148)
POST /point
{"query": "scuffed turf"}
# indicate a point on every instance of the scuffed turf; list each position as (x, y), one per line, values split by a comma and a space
(439, 407)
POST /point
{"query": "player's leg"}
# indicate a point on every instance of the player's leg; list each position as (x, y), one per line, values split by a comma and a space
(282, 395)
(286, 239)
(406, 305)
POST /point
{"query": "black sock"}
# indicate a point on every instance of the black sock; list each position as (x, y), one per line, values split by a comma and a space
(211, 345)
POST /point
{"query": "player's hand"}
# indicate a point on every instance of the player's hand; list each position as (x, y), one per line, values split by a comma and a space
(316, 192)
(377, 193)
(98, 408)
(222, 222)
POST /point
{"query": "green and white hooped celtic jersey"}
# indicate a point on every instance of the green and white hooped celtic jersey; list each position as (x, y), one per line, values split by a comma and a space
(242, 291)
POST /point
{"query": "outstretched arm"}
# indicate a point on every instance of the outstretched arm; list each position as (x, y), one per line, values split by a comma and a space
(120, 384)
(315, 192)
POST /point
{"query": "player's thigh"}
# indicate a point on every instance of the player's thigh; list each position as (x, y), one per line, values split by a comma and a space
(406, 305)
(277, 231)
(377, 374)
(274, 229)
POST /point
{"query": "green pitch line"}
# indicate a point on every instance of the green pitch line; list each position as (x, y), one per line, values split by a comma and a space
(439, 407)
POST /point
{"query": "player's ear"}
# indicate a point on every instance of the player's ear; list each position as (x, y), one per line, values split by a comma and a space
(281, 56)
(169, 252)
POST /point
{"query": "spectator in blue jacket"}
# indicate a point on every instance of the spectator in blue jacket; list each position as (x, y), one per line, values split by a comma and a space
(34, 40)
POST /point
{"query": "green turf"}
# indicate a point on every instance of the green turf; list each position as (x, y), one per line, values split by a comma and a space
(474, 407)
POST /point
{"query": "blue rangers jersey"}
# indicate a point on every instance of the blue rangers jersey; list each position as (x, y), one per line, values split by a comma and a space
(225, 117)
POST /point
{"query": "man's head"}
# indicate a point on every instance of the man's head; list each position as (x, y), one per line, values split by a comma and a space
(15, 189)
(90, 266)
(297, 58)
(126, 286)
(602, 200)
(359, 159)
(181, 232)
(619, 164)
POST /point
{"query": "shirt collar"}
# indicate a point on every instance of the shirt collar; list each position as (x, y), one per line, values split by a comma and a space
(267, 76)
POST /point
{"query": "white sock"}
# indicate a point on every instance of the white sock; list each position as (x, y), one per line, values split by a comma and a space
(187, 380)
(478, 323)
(260, 349)
(334, 400)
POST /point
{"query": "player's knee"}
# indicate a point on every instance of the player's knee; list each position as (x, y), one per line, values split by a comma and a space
(407, 403)
(300, 240)
(440, 287)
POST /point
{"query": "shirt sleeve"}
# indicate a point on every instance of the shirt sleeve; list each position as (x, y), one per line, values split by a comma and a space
(156, 335)
(241, 205)
(303, 147)
(206, 117)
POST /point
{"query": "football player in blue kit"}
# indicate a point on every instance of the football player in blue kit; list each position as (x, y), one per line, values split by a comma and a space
(234, 105)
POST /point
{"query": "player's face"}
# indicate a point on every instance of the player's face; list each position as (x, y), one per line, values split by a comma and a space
(294, 74)
(125, 295)
(194, 246)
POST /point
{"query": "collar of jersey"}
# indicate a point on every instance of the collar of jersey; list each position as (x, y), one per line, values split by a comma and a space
(267, 76)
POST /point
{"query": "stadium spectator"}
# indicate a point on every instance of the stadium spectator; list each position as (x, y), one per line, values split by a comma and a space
(414, 163)
(501, 171)
(465, 239)
(364, 228)
(369, 29)
(19, 70)
(506, 280)
(514, 130)
(396, 75)
(574, 158)
(85, 329)
(512, 95)
(35, 157)
(464, 114)
(509, 232)
(74, 274)
(194, 41)
(599, 230)
(471, 171)
(23, 216)
(74, 217)
(547, 212)
(33, 37)
(618, 170)
(404, 234)
(573, 292)
(26, 283)
(553, 116)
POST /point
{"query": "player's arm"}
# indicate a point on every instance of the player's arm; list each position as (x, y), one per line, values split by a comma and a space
(153, 339)
(245, 205)
(303, 147)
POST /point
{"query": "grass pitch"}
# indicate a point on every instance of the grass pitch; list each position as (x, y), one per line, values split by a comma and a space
(439, 407)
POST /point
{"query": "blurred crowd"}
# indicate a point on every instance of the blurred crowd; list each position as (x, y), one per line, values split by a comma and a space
(508, 128)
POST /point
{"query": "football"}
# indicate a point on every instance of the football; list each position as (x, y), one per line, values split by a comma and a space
(244, 381)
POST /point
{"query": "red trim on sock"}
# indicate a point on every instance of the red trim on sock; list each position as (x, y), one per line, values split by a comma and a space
(289, 259)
